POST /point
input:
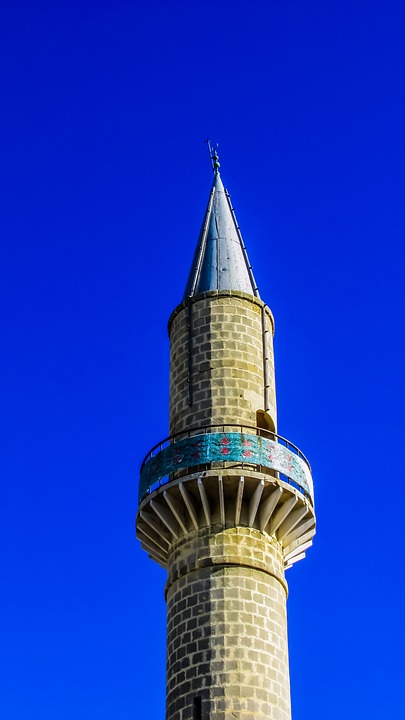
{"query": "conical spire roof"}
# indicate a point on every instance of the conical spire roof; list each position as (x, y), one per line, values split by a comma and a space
(220, 260)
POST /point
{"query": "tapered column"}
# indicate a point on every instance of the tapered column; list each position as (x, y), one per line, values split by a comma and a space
(227, 654)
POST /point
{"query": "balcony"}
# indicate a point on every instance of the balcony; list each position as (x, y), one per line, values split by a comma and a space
(225, 446)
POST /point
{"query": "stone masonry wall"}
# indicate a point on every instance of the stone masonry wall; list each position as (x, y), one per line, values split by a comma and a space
(217, 363)
(227, 649)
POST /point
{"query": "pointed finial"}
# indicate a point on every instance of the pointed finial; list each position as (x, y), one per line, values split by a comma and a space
(213, 151)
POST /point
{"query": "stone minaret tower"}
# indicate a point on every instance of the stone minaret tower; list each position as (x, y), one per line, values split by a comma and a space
(225, 503)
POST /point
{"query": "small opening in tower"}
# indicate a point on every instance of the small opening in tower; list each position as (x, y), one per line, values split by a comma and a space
(197, 707)
(265, 422)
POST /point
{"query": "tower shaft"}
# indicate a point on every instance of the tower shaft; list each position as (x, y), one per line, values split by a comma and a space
(225, 503)
(226, 623)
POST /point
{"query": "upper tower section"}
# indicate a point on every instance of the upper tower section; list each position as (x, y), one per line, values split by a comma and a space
(220, 260)
(224, 464)
(221, 335)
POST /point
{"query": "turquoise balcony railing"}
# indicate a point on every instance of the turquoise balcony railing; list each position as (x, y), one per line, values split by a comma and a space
(217, 445)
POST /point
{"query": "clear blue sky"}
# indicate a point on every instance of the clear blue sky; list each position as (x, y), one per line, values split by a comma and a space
(104, 180)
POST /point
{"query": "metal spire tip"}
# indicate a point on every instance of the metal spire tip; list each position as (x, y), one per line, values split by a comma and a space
(213, 151)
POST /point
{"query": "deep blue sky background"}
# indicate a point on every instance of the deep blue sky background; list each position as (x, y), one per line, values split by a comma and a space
(104, 180)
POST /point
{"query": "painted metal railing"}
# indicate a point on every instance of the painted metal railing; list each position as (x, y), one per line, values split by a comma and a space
(220, 445)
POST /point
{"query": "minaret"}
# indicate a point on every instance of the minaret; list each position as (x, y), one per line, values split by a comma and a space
(225, 503)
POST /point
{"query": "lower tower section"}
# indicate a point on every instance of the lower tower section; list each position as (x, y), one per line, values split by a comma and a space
(227, 653)
(226, 540)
